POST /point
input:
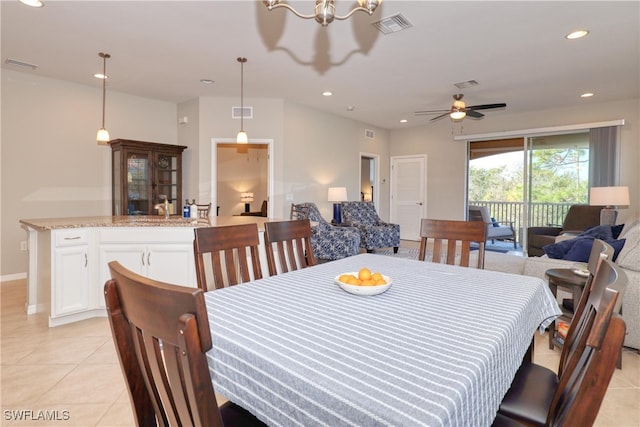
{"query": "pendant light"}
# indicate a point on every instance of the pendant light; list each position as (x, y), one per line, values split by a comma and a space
(242, 135)
(103, 133)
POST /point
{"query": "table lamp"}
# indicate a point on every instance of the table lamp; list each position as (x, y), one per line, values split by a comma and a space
(610, 197)
(337, 194)
(247, 198)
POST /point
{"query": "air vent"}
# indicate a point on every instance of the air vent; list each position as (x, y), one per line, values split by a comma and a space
(464, 85)
(392, 24)
(242, 112)
(369, 134)
(18, 63)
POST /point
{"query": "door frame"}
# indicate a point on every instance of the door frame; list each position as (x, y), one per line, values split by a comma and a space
(214, 168)
(376, 176)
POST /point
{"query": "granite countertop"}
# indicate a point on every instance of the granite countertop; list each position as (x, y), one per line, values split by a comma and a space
(44, 224)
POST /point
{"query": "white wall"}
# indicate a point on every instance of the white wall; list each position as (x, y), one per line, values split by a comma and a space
(447, 158)
(51, 163)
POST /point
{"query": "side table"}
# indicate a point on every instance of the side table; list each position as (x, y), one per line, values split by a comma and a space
(567, 279)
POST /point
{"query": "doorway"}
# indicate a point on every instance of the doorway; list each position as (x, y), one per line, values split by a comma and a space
(241, 176)
(408, 194)
(369, 178)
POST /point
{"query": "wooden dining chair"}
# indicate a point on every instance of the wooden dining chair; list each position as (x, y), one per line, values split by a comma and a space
(458, 236)
(161, 333)
(288, 245)
(537, 393)
(577, 398)
(228, 255)
(600, 250)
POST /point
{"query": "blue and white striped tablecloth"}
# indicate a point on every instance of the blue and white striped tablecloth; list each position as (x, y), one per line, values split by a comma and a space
(439, 348)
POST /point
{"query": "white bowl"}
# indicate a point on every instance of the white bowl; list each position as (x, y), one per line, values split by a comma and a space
(363, 290)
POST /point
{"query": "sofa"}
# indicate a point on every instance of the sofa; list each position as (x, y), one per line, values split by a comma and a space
(628, 259)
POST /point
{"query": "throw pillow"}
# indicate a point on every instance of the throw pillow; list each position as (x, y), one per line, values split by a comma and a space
(602, 232)
(579, 251)
(495, 222)
(617, 247)
(616, 230)
(559, 250)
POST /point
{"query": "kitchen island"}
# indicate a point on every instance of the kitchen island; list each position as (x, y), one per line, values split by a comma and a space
(68, 257)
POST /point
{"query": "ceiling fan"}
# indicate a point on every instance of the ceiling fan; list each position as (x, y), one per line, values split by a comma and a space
(459, 110)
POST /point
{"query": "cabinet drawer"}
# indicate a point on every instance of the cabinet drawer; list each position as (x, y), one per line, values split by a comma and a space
(76, 236)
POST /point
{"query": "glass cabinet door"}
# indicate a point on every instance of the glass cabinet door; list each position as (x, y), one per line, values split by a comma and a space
(166, 182)
(138, 179)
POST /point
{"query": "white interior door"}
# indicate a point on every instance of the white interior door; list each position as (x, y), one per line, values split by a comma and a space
(408, 194)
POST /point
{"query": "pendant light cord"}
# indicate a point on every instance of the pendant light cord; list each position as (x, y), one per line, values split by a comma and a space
(242, 60)
(104, 83)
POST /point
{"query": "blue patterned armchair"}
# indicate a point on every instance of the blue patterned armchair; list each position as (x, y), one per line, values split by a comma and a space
(328, 241)
(374, 233)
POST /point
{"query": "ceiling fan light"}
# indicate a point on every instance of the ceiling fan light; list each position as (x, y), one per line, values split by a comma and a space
(457, 115)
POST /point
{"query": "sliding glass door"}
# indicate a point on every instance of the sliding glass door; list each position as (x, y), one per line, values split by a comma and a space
(529, 181)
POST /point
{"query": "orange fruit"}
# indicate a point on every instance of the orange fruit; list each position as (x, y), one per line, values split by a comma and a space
(364, 274)
(377, 276)
(345, 277)
(380, 282)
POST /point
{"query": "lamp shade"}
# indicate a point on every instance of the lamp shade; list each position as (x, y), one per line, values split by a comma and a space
(246, 197)
(337, 194)
(609, 196)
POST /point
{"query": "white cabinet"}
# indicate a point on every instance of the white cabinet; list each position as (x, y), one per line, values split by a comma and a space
(166, 256)
(70, 277)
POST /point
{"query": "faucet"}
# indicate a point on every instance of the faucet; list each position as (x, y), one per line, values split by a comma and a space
(164, 206)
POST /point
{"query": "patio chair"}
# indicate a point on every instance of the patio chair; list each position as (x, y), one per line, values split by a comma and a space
(374, 233)
(329, 242)
(496, 230)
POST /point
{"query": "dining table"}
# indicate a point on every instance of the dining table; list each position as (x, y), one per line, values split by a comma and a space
(440, 347)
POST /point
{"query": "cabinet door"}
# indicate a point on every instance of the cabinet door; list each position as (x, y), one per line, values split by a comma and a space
(171, 263)
(167, 170)
(70, 284)
(130, 256)
(138, 186)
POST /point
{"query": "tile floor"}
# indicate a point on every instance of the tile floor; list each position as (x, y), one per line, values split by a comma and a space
(73, 369)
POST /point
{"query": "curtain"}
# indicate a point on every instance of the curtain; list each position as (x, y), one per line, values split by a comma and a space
(603, 156)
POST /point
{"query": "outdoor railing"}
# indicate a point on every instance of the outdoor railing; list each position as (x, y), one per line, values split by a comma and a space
(539, 215)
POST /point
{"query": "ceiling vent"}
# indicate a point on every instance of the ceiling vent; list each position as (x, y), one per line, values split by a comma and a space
(18, 63)
(464, 85)
(242, 112)
(392, 24)
(369, 134)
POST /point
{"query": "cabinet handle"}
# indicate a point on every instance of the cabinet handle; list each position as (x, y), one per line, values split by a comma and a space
(149, 259)
(86, 260)
(73, 238)
(142, 258)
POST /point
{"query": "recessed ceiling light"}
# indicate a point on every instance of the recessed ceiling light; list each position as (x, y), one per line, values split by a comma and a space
(100, 76)
(576, 34)
(327, 93)
(32, 3)
(350, 108)
(587, 95)
(206, 81)
(404, 121)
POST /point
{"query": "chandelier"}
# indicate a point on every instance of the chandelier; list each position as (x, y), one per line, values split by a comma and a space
(325, 11)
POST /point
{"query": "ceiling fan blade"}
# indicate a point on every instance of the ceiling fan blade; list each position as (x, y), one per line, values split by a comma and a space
(474, 114)
(421, 113)
(440, 116)
(487, 106)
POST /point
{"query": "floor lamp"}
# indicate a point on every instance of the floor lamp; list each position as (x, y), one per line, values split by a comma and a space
(609, 197)
(337, 195)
